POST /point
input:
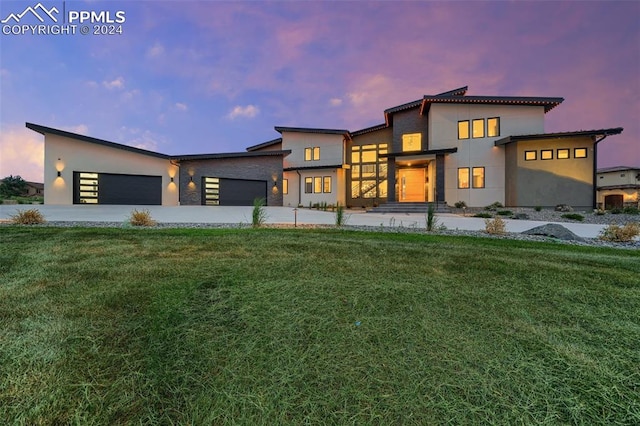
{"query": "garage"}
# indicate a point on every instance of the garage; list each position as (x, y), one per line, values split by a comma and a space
(232, 192)
(111, 188)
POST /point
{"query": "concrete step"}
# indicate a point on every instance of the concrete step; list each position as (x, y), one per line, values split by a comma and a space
(396, 207)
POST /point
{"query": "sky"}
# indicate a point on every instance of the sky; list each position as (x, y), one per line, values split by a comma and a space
(193, 77)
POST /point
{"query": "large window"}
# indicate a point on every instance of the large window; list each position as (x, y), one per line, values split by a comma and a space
(88, 188)
(478, 177)
(312, 154)
(412, 142)
(478, 128)
(308, 185)
(368, 171)
(463, 178)
(493, 126)
(580, 153)
(463, 129)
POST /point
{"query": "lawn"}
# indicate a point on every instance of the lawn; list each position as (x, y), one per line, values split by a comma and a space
(267, 326)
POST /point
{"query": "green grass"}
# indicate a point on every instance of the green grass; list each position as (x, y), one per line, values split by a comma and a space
(267, 326)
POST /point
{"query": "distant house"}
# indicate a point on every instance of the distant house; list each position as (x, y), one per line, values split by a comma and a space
(440, 149)
(34, 189)
(618, 187)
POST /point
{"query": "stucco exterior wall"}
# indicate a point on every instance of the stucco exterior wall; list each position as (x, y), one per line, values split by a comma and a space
(331, 149)
(69, 155)
(297, 195)
(548, 183)
(268, 168)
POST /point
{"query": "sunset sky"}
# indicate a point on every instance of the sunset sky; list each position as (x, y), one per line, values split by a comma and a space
(190, 77)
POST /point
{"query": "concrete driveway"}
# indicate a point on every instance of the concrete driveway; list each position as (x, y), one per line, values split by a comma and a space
(275, 215)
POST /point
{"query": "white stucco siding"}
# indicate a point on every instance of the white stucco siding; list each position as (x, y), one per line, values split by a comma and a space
(69, 155)
(331, 149)
(298, 196)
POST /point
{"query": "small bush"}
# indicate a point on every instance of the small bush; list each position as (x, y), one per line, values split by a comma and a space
(141, 218)
(620, 234)
(496, 226)
(340, 216)
(259, 214)
(616, 210)
(505, 212)
(28, 217)
(483, 214)
(538, 208)
(573, 216)
(599, 212)
(631, 210)
(431, 222)
(460, 205)
(494, 206)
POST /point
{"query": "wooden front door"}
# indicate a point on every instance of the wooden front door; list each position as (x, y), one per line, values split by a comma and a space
(411, 185)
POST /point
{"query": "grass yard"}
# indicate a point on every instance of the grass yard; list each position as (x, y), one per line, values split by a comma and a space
(266, 326)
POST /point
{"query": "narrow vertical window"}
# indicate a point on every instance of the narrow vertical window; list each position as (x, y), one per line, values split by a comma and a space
(326, 184)
(493, 126)
(285, 186)
(308, 185)
(478, 128)
(463, 129)
(316, 153)
(317, 185)
(307, 154)
(463, 178)
(478, 177)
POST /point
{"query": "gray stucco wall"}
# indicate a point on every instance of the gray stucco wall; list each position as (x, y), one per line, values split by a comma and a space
(255, 168)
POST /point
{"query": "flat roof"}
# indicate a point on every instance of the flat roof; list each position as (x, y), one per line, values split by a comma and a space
(617, 169)
(281, 129)
(230, 155)
(560, 135)
(265, 144)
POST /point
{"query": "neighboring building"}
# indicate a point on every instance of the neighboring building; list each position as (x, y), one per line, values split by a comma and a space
(441, 148)
(34, 189)
(618, 187)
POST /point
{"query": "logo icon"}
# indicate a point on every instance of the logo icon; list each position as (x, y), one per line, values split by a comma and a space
(34, 11)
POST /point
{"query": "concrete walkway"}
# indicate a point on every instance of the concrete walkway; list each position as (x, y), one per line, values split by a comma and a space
(275, 215)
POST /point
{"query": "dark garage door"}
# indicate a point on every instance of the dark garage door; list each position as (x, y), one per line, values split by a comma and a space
(239, 192)
(123, 189)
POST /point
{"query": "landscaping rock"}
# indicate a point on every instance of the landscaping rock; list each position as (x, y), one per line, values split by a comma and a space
(522, 216)
(554, 230)
(564, 208)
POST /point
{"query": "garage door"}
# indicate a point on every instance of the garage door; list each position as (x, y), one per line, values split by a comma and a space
(232, 192)
(109, 188)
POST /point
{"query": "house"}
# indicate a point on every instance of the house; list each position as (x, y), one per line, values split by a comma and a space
(443, 149)
(618, 187)
(34, 189)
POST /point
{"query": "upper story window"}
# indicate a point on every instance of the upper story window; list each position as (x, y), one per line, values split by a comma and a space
(312, 154)
(530, 155)
(412, 142)
(463, 129)
(562, 154)
(546, 154)
(580, 153)
(493, 127)
(478, 128)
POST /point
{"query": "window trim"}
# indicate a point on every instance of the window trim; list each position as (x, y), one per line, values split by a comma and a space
(575, 153)
(317, 184)
(535, 155)
(468, 169)
(498, 126)
(316, 153)
(468, 129)
(325, 180)
(308, 185)
(473, 182)
(542, 151)
(563, 150)
(408, 138)
(473, 128)
(285, 186)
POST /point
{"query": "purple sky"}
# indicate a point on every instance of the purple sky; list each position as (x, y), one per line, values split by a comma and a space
(207, 76)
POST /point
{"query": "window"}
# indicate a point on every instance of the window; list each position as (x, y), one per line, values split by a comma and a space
(317, 184)
(463, 178)
(308, 185)
(369, 171)
(312, 154)
(580, 153)
(562, 154)
(530, 155)
(493, 126)
(326, 184)
(88, 188)
(478, 128)
(546, 154)
(211, 191)
(369, 154)
(463, 129)
(355, 154)
(478, 177)
(412, 142)
(285, 186)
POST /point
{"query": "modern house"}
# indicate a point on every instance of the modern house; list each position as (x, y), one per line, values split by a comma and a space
(618, 187)
(441, 148)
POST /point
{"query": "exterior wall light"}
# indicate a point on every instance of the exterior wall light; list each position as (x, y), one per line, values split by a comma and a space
(171, 179)
(59, 173)
(275, 184)
(191, 179)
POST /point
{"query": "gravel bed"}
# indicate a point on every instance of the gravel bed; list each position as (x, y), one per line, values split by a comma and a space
(547, 215)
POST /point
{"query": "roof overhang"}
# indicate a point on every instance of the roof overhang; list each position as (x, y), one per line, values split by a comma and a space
(226, 155)
(602, 133)
(547, 103)
(330, 166)
(265, 144)
(444, 151)
(342, 132)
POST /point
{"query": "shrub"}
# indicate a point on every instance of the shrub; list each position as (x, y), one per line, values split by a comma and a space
(340, 216)
(538, 208)
(141, 218)
(631, 210)
(620, 234)
(28, 217)
(460, 205)
(599, 212)
(496, 226)
(573, 216)
(431, 218)
(259, 214)
(494, 206)
(564, 208)
(505, 212)
(616, 210)
(483, 214)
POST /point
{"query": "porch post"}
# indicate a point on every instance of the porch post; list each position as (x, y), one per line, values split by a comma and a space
(391, 179)
(440, 179)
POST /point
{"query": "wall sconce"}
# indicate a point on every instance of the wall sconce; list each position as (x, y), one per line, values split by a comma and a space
(59, 173)
(191, 179)
(275, 184)
(171, 179)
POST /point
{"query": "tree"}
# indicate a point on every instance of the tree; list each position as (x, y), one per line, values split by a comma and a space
(12, 186)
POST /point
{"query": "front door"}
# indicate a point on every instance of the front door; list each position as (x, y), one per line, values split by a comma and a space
(411, 185)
